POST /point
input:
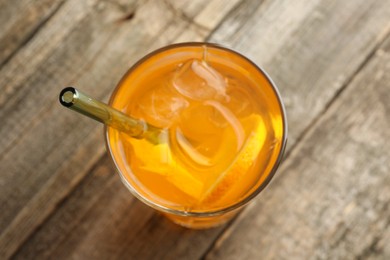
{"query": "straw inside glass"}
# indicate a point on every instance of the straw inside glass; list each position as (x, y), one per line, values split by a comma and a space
(76, 100)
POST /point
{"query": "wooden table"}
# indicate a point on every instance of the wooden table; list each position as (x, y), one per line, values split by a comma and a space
(60, 197)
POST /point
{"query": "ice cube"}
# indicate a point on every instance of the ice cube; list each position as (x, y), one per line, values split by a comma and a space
(202, 124)
(199, 132)
(190, 150)
(230, 118)
(161, 105)
(197, 80)
(240, 99)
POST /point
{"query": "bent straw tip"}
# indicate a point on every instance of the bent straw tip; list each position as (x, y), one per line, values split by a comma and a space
(67, 96)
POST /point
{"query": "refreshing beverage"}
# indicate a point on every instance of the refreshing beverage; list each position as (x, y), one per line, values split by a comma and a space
(223, 131)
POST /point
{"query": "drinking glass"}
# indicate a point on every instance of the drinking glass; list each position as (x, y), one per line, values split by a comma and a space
(224, 132)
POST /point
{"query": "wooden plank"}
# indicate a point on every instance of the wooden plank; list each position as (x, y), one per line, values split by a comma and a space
(20, 20)
(333, 199)
(93, 229)
(45, 151)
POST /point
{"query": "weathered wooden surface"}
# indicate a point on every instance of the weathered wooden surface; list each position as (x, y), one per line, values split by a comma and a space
(60, 197)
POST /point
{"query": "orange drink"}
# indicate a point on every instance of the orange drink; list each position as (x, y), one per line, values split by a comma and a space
(223, 132)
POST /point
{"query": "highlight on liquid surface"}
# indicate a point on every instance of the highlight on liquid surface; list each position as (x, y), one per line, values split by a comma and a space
(223, 128)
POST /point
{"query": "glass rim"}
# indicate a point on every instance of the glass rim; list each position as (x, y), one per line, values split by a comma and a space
(241, 202)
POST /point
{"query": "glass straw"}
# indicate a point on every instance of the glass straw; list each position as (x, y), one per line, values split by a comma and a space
(92, 108)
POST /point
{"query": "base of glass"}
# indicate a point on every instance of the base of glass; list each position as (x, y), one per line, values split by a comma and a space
(201, 222)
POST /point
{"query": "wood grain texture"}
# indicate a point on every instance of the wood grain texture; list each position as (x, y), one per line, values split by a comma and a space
(59, 196)
(20, 20)
(333, 199)
(33, 131)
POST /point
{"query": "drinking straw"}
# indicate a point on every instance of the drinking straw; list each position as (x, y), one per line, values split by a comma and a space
(78, 101)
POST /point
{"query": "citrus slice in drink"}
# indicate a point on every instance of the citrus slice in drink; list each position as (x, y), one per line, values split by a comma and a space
(241, 164)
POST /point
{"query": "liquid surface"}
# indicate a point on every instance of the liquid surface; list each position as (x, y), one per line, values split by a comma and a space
(219, 141)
